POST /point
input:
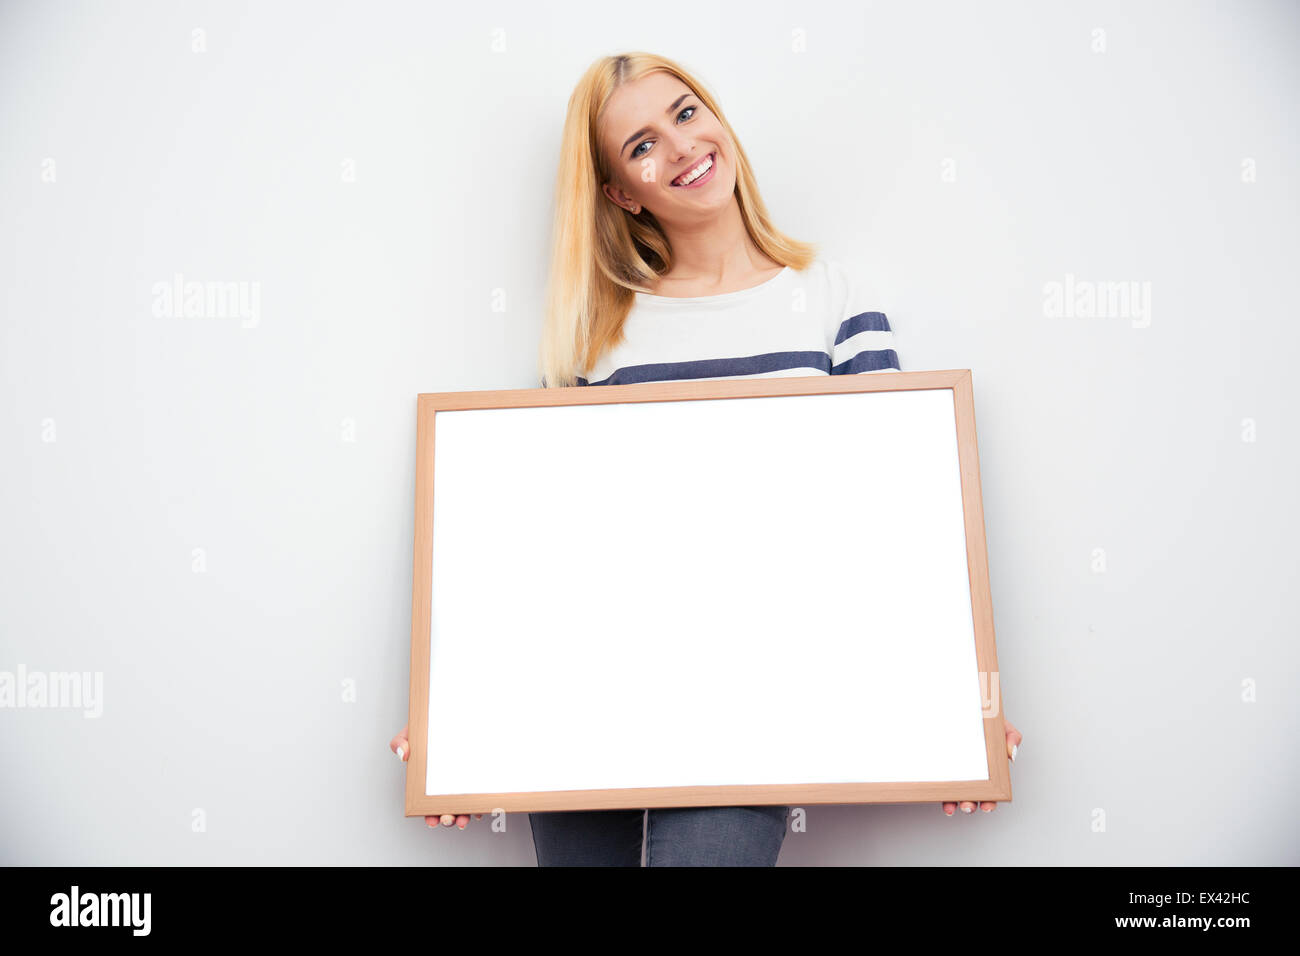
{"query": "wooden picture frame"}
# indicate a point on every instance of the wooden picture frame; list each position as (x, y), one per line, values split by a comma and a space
(623, 622)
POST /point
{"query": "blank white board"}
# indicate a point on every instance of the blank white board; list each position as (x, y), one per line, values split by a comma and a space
(706, 592)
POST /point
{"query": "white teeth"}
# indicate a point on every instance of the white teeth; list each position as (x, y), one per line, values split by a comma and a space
(697, 172)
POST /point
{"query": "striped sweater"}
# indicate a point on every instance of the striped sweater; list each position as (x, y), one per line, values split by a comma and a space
(814, 322)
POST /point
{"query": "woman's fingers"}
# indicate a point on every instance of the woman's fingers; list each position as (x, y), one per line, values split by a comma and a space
(1014, 738)
(967, 806)
(400, 746)
(458, 820)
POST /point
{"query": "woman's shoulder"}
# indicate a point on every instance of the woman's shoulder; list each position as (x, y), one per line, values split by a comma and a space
(830, 281)
(831, 272)
(852, 289)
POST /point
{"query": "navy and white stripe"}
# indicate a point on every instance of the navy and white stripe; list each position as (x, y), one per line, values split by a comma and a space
(812, 322)
(864, 343)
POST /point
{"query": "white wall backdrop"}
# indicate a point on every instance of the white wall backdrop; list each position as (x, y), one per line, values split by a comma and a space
(213, 513)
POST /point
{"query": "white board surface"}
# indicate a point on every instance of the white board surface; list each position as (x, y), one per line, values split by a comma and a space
(766, 590)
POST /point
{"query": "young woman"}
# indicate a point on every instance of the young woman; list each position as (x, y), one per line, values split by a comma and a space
(667, 266)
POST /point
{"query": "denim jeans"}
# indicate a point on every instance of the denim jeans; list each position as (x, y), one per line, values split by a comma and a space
(675, 836)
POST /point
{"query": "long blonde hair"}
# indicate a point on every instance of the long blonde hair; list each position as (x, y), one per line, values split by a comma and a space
(602, 254)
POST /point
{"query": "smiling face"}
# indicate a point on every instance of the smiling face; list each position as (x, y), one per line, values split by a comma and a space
(666, 151)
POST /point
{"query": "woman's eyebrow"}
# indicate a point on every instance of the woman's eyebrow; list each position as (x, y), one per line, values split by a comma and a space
(646, 129)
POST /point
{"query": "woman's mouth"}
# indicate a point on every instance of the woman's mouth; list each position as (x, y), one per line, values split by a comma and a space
(697, 175)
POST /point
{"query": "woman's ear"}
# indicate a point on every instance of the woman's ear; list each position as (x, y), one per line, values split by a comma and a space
(620, 198)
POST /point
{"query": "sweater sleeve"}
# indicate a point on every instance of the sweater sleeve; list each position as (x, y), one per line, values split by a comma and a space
(861, 339)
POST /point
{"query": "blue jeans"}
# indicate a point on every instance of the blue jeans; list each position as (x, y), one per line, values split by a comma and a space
(675, 836)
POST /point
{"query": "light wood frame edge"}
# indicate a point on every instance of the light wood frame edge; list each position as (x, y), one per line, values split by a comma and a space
(997, 787)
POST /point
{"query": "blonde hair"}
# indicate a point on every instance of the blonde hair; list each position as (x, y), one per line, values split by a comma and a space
(602, 254)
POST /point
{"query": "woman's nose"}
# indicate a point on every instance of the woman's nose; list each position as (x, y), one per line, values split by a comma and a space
(682, 147)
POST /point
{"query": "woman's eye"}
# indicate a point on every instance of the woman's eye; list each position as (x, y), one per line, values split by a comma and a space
(637, 151)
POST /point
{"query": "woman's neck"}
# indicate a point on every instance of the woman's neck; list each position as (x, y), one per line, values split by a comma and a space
(714, 257)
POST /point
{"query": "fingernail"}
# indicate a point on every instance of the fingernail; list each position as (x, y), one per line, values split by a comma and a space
(399, 754)
(987, 809)
(948, 813)
(1014, 748)
(965, 809)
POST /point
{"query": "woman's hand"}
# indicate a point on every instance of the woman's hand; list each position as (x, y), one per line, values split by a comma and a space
(1013, 742)
(402, 747)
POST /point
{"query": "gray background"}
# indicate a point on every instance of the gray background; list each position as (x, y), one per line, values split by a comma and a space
(1101, 438)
